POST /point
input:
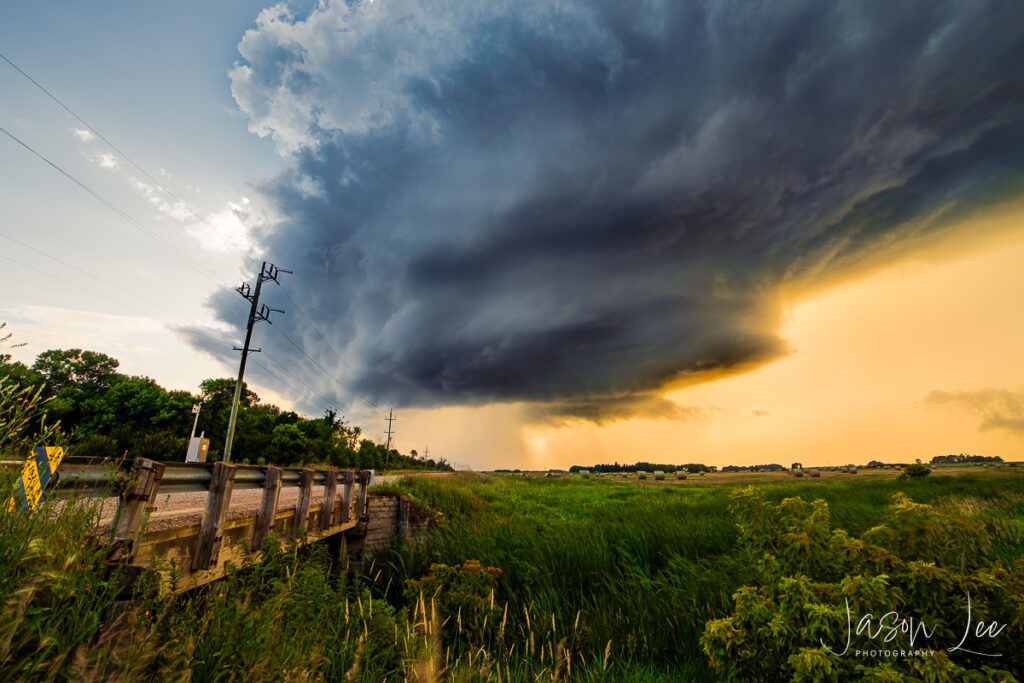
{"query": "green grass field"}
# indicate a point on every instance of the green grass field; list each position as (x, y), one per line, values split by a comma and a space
(636, 569)
(578, 579)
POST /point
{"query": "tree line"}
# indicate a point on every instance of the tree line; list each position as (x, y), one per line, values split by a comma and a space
(108, 414)
(693, 467)
(963, 457)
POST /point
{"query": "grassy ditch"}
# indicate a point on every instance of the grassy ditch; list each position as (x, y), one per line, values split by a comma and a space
(523, 579)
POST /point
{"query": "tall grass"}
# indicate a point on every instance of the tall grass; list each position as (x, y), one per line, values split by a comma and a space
(632, 572)
(601, 581)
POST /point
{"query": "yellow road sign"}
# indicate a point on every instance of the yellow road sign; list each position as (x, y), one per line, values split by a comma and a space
(36, 473)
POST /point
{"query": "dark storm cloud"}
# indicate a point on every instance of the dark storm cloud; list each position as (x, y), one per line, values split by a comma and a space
(575, 203)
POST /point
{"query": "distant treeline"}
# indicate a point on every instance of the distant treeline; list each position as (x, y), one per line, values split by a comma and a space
(963, 457)
(108, 413)
(693, 467)
(773, 467)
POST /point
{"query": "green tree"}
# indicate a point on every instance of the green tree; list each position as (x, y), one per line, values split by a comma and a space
(66, 367)
(217, 396)
(288, 445)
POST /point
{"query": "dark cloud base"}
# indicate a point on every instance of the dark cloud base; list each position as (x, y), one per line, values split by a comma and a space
(574, 206)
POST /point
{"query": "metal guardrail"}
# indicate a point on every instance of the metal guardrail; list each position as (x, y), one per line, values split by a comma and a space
(92, 477)
(138, 482)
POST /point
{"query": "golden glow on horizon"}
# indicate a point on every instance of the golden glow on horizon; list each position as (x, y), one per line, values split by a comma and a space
(866, 355)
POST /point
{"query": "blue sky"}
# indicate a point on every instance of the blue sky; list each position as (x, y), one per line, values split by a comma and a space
(152, 78)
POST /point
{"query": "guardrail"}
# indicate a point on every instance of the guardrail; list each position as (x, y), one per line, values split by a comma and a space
(199, 549)
(92, 477)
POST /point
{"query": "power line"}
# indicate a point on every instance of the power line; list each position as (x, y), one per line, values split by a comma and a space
(188, 207)
(373, 395)
(64, 263)
(75, 285)
(152, 236)
(113, 207)
(140, 226)
(201, 333)
(326, 371)
(327, 402)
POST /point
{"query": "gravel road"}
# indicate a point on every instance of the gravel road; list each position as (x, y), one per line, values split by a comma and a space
(183, 509)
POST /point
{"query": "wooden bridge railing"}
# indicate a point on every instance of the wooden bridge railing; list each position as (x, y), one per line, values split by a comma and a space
(199, 551)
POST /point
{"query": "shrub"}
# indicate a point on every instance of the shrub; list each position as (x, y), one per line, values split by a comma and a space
(915, 471)
(162, 445)
(95, 446)
(464, 595)
(919, 564)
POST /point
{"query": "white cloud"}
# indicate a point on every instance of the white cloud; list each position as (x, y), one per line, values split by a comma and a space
(83, 135)
(345, 67)
(227, 230)
(107, 160)
(177, 210)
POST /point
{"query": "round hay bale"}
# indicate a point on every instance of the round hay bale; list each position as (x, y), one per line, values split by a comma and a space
(702, 473)
(585, 474)
(852, 470)
(659, 476)
(680, 474)
(813, 473)
(795, 473)
(641, 475)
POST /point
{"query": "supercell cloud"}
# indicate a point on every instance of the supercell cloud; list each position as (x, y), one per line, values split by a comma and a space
(573, 203)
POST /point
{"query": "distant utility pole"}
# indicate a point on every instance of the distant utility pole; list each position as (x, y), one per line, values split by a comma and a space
(257, 314)
(387, 450)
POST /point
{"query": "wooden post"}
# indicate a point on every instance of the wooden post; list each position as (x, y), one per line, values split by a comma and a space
(403, 517)
(364, 480)
(302, 505)
(346, 499)
(207, 550)
(137, 500)
(330, 491)
(268, 506)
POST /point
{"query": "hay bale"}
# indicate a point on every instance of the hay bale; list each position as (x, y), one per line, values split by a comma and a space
(641, 475)
(585, 474)
(813, 473)
(702, 473)
(852, 470)
(659, 476)
(795, 473)
(680, 474)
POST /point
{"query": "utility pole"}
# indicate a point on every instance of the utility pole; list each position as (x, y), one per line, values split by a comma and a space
(257, 314)
(387, 450)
